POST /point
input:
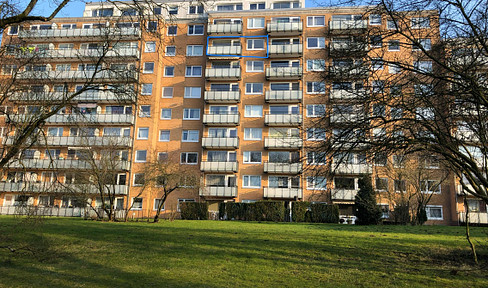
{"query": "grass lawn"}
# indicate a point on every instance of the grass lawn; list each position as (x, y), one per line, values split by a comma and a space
(77, 253)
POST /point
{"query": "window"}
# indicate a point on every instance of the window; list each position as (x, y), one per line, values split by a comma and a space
(315, 21)
(157, 202)
(315, 134)
(157, 10)
(316, 158)
(315, 42)
(252, 157)
(391, 24)
(377, 64)
(164, 135)
(172, 30)
(425, 113)
(376, 41)
(394, 45)
(169, 71)
(170, 51)
(257, 6)
(253, 111)
(286, 5)
(374, 19)
(430, 186)
(191, 114)
(13, 30)
(145, 111)
(315, 110)
(251, 181)
(193, 92)
(255, 44)
(167, 92)
(253, 133)
(162, 156)
(396, 113)
(420, 22)
(193, 71)
(394, 68)
(229, 7)
(434, 212)
(316, 65)
(382, 184)
(148, 67)
(316, 183)
(423, 66)
(379, 110)
(105, 12)
(195, 9)
(141, 155)
(143, 133)
(398, 161)
(146, 89)
(194, 50)
(190, 136)
(378, 86)
(255, 23)
(315, 87)
(55, 131)
(173, 10)
(152, 26)
(189, 158)
(136, 202)
(166, 114)
(255, 66)
(424, 43)
(195, 30)
(254, 88)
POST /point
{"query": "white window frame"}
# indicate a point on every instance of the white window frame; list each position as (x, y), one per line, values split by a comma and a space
(132, 200)
(427, 209)
(250, 66)
(251, 23)
(189, 92)
(315, 132)
(193, 33)
(317, 65)
(313, 18)
(167, 89)
(193, 67)
(393, 40)
(186, 158)
(167, 31)
(312, 183)
(148, 71)
(375, 16)
(314, 86)
(251, 91)
(320, 41)
(246, 181)
(247, 155)
(136, 156)
(164, 132)
(248, 134)
(251, 114)
(144, 114)
(190, 133)
(144, 88)
(147, 46)
(166, 53)
(169, 75)
(156, 204)
(190, 49)
(314, 109)
(189, 113)
(170, 113)
(139, 130)
(252, 42)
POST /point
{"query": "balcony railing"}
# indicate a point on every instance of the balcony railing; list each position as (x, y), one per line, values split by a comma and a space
(341, 48)
(92, 96)
(221, 119)
(207, 166)
(347, 94)
(346, 118)
(213, 191)
(224, 28)
(277, 28)
(222, 96)
(343, 194)
(347, 25)
(223, 73)
(104, 75)
(285, 50)
(65, 164)
(115, 119)
(284, 96)
(474, 217)
(284, 193)
(78, 141)
(31, 187)
(224, 51)
(220, 142)
(75, 54)
(283, 142)
(353, 71)
(282, 168)
(352, 168)
(282, 73)
(282, 119)
(95, 33)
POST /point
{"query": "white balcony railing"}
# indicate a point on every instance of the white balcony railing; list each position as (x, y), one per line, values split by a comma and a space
(224, 28)
(99, 33)
(283, 119)
(352, 168)
(347, 24)
(285, 193)
(474, 217)
(284, 28)
(222, 96)
(104, 75)
(80, 118)
(218, 191)
(336, 94)
(31, 187)
(343, 194)
(289, 50)
(344, 47)
(78, 141)
(284, 72)
(283, 142)
(224, 50)
(282, 168)
(96, 96)
(64, 164)
(82, 53)
(220, 142)
(223, 73)
(221, 119)
(291, 96)
(207, 166)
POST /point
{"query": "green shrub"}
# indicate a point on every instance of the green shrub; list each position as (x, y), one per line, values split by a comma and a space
(366, 209)
(235, 211)
(324, 213)
(257, 211)
(299, 211)
(194, 210)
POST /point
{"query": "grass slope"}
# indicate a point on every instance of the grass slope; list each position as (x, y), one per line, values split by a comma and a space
(78, 253)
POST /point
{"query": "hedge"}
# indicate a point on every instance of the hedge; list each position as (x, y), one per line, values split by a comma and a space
(194, 210)
(324, 213)
(299, 211)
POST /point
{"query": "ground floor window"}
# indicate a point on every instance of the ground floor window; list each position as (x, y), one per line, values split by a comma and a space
(434, 212)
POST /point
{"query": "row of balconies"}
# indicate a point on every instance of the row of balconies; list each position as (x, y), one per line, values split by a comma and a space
(272, 73)
(56, 164)
(269, 119)
(32, 187)
(285, 96)
(86, 34)
(68, 119)
(232, 167)
(89, 96)
(79, 54)
(269, 143)
(57, 141)
(80, 76)
(274, 51)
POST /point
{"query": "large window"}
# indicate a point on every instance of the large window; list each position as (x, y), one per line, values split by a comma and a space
(252, 157)
(315, 87)
(315, 42)
(255, 44)
(164, 135)
(194, 50)
(316, 65)
(315, 21)
(191, 114)
(143, 133)
(195, 30)
(166, 113)
(253, 111)
(255, 23)
(193, 71)
(189, 158)
(190, 136)
(146, 89)
(193, 92)
(251, 181)
(255, 66)
(434, 212)
(254, 88)
(167, 92)
(253, 133)
(315, 110)
(141, 156)
(316, 183)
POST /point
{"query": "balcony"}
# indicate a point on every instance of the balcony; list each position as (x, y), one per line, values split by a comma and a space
(474, 217)
(220, 143)
(231, 119)
(224, 28)
(347, 94)
(223, 73)
(283, 119)
(222, 96)
(224, 51)
(347, 26)
(284, 193)
(56, 164)
(346, 118)
(284, 96)
(282, 168)
(80, 76)
(89, 96)
(352, 168)
(284, 73)
(30, 187)
(282, 29)
(78, 54)
(223, 167)
(57, 141)
(349, 48)
(69, 119)
(285, 50)
(348, 72)
(211, 191)
(283, 142)
(84, 34)
(343, 194)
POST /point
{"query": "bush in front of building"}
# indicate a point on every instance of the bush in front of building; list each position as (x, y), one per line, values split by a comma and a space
(299, 211)
(194, 210)
(366, 209)
(324, 213)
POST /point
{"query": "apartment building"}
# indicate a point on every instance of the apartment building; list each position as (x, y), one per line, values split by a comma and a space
(232, 90)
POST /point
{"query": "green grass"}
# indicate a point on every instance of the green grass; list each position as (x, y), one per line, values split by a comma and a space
(78, 253)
